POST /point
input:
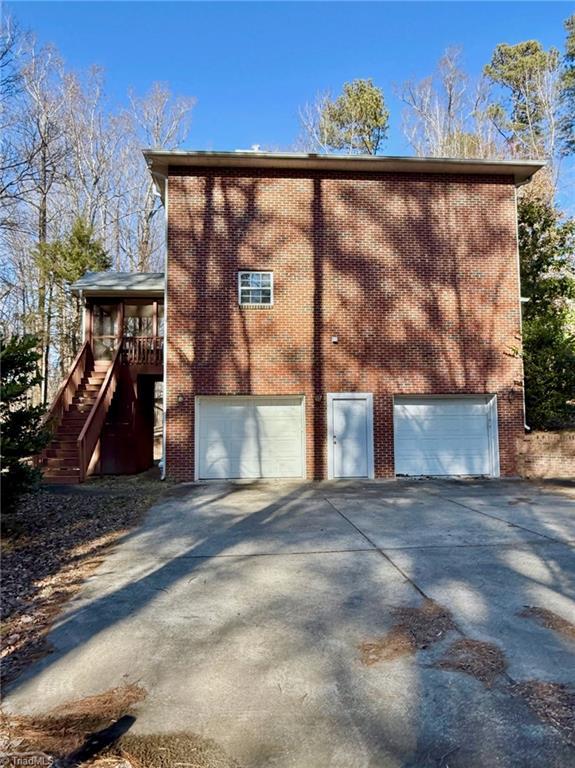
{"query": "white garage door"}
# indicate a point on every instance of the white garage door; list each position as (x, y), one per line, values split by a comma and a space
(250, 437)
(445, 436)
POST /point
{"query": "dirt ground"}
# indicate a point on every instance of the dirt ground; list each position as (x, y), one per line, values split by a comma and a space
(50, 545)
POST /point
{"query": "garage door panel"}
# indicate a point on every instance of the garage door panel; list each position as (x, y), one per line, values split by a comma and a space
(250, 437)
(445, 465)
(275, 411)
(439, 410)
(443, 437)
(429, 428)
(278, 429)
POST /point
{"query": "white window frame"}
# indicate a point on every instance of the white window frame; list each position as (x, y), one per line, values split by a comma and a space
(255, 272)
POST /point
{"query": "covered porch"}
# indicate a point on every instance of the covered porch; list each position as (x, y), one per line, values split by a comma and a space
(124, 312)
(107, 417)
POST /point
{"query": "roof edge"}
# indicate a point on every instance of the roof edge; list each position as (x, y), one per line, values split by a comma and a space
(112, 283)
(159, 162)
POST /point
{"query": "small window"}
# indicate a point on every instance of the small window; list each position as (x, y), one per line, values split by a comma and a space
(256, 288)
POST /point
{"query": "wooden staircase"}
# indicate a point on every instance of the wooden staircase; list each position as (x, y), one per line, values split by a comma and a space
(61, 461)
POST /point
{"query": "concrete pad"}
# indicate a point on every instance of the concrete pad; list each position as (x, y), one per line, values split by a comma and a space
(543, 513)
(425, 520)
(227, 521)
(486, 588)
(242, 609)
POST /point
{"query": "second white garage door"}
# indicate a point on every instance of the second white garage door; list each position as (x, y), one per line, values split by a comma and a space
(249, 437)
(445, 436)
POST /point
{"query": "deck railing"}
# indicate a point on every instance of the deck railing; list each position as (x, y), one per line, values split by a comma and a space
(142, 350)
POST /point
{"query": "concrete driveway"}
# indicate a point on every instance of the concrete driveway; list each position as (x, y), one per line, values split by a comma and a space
(258, 616)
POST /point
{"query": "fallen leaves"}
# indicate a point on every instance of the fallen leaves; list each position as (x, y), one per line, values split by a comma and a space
(94, 731)
(554, 703)
(481, 660)
(415, 628)
(51, 544)
(550, 620)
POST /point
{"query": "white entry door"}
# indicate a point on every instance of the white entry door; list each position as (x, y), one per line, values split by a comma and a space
(445, 436)
(350, 435)
(249, 437)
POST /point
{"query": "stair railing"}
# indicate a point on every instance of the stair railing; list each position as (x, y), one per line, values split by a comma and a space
(90, 434)
(67, 389)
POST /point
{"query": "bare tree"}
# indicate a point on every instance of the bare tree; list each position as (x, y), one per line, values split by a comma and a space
(311, 137)
(67, 155)
(38, 147)
(446, 113)
(161, 121)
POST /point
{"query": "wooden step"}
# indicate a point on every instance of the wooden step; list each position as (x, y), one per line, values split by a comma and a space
(82, 407)
(84, 397)
(62, 462)
(61, 479)
(53, 471)
(74, 418)
(68, 435)
(60, 452)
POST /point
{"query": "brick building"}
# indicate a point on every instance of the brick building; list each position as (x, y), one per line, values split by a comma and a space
(319, 317)
(340, 317)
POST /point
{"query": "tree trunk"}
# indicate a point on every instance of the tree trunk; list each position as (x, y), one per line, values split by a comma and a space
(42, 308)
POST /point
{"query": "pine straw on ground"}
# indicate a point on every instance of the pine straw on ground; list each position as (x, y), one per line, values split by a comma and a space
(550, 620)
(64, 729)
(173, 749)
(74, 735)
(415, 629)
(51, 543)
(483, 661)
(554, 703)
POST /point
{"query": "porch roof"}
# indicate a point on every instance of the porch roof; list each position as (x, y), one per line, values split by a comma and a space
(120, 284)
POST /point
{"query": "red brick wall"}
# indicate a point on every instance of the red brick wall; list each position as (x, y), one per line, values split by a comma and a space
(415, 274)
(547, 454)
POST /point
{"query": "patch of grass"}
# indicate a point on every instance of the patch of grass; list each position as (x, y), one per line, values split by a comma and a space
(415, 629)
(481, 660)
(554, 703)
(550, 620)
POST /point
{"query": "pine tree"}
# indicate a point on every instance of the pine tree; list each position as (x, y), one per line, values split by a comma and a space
(546, 245)
(22, 435)
(355, 122)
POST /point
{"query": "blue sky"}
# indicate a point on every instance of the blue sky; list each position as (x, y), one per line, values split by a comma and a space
(250, 65)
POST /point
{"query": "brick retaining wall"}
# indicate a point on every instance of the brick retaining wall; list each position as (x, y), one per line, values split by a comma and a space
(547, 454)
